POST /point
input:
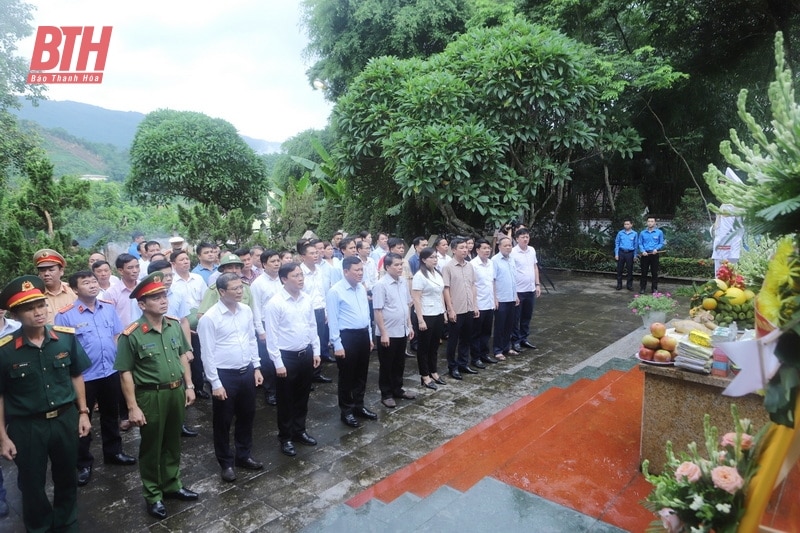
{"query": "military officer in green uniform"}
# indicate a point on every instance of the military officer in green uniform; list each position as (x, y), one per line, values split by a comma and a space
(152, 357)
(42, 406)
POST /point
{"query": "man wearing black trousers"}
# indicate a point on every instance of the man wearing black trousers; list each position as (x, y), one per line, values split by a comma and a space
(232, 365)
(351, 335)
(460, 300)
(293, 346)
(392, 304)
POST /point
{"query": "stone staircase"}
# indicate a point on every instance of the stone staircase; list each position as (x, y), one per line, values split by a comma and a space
(487, 478)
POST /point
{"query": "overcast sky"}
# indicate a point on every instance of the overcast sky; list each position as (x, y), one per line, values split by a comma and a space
(240, 60)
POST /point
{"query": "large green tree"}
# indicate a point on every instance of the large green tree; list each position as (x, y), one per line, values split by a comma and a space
(719, 44)
(488, 129)
(345, 34)
(183, 154)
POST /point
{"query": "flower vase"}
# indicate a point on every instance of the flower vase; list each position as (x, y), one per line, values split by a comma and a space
(653, 317)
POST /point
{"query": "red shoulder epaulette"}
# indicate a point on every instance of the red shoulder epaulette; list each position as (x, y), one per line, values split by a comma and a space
(130, 329)
(66, 308)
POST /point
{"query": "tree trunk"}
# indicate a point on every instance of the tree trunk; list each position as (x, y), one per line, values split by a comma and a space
(49, 220)
(608, 184)
(452, 220)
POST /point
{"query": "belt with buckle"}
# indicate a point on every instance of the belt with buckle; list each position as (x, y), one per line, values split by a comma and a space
(242, 370)
(55, 413)
(626, 251)
(296, 353)
(160, 386)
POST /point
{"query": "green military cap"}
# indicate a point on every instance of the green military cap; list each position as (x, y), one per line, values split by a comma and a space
(47, 258)
(22, 290)
(230, 259)
(152, 284)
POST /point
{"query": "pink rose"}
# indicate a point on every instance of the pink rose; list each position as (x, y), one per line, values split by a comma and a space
(727, 478)
(729, 439)
(688, 470)
(670, 520)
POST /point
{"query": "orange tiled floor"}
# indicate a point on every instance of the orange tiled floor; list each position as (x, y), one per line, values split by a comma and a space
(578, 447)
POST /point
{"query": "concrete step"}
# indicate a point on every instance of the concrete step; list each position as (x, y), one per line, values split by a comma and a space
(425, 510)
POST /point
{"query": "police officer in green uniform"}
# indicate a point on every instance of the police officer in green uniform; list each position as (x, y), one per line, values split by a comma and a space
(152, 357)
(42, 406)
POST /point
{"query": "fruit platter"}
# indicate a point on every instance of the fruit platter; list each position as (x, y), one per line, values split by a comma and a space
(659, 345)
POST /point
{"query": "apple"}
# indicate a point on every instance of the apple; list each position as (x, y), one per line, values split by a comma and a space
(646, 353)
(651, 342)
(662, 356)
(669, 343)
(658, 330)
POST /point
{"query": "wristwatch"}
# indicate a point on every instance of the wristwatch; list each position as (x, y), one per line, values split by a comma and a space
(190, 387)
(83, 411)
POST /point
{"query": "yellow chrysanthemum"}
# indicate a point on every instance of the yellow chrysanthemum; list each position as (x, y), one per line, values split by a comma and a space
(780, 271)
(769, 305)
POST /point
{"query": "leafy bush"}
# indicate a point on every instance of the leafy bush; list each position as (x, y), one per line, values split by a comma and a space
(690, 235)
(686, 267)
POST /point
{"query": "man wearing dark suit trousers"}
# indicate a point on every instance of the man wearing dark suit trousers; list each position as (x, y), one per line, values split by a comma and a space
(294, 348)
(351, 335)
(233, 367)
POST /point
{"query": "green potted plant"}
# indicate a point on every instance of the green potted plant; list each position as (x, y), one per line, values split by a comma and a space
(653, 307)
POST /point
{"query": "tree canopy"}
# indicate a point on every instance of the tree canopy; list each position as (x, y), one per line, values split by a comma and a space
(344, 35)
(488, 129)
(183, 154)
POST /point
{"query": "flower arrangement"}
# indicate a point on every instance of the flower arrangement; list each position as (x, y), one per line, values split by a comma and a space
(643, 304)
(703, 494)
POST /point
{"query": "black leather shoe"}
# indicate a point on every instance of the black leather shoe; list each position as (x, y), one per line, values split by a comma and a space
(120, 459)
(186, 432)
(249, 464)
(630, 288)
(528, 344)
(350, 420)
(455, 374)
(439, 380)
(272, 400)
(365, 413)
(287, 448)
(322, 379)
(516, 347)
(228, 475)
(200, 393)
(184, 494)
(467, 370)
(489, 360)
(157, 510)
(431, 385)
(478, 364)
(84, 475)
(305, 438)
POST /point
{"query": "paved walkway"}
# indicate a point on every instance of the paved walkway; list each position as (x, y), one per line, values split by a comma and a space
(571, 324)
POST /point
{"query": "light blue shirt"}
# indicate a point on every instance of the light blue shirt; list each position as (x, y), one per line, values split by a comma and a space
(178, 304)
(204, 272)
(626, 240)
(96, 331)
(348, 308)
(505, 283)
(650, 241)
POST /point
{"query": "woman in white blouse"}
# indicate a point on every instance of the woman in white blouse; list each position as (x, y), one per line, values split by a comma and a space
(426, 292)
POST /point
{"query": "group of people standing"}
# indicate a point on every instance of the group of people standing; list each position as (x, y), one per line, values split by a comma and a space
(647, 245)
(141, 348)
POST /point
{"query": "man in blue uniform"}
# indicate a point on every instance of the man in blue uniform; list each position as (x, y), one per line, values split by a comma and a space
(651, 243)
(41, 396)
(97, 327)
(624, 248)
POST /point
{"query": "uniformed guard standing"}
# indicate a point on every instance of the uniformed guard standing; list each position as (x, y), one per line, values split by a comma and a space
(40, 386)
(152, 357)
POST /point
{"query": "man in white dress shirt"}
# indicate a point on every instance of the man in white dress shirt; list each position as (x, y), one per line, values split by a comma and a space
(263, 288)
(528, 289)
(293, 346)
(231, 363)
(485, 273)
